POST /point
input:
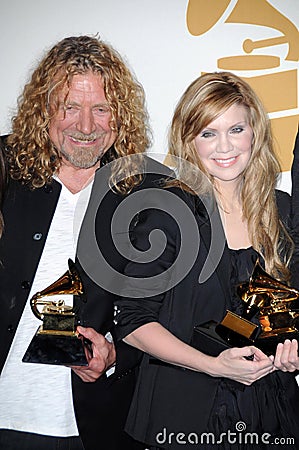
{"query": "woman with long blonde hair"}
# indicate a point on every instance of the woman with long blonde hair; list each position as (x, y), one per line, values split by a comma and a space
(220, 141)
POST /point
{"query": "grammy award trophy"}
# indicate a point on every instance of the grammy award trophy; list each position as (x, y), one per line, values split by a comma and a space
(275, 307)
(56, 340)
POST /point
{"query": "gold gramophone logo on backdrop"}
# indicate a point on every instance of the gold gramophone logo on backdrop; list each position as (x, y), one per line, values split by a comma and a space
(277, 87)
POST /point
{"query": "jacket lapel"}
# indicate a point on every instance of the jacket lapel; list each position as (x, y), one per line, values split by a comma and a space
(214, 240)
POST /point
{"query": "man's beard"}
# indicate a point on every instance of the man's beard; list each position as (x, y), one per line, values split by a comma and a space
(83, 157)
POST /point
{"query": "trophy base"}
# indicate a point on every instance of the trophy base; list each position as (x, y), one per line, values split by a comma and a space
(212, 338)
(56, 350)
(268, 340)
(207, 340)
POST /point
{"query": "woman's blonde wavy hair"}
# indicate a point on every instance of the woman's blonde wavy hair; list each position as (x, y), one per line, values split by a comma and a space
(32, 157)
(205, 99)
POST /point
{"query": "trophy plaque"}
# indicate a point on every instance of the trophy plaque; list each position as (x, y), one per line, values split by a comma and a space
(56, 340)
(273, 303)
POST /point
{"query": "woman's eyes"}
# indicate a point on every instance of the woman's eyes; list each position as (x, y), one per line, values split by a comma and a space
(208, 134)
(237, 130)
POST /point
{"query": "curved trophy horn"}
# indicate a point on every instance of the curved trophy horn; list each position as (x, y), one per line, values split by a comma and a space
(69, 283)
(261, 280)
(263, 290)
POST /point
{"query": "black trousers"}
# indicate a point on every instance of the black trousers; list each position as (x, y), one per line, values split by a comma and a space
(102, 409)
(19, 440)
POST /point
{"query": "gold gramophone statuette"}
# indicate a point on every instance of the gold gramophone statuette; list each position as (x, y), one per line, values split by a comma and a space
(56, 340)
(277, 304)
(274, 304)
(275, 307)
(56, 316)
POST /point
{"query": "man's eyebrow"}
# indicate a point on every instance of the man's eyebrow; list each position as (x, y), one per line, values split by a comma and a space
(73, 102)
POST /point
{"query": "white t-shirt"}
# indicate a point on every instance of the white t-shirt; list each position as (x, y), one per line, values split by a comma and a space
(37, 398)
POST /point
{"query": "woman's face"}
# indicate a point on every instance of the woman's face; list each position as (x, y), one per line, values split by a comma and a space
(224, 146)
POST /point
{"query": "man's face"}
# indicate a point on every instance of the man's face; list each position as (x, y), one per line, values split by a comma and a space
(80, 130)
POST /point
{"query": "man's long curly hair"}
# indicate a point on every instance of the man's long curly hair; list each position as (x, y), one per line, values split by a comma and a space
(31, 155)
(203, 101)
(3, 181)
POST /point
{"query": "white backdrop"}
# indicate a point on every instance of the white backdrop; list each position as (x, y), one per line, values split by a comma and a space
(152, 35)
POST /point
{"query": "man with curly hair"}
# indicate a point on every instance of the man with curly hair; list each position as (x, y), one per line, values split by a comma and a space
(82, 109)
